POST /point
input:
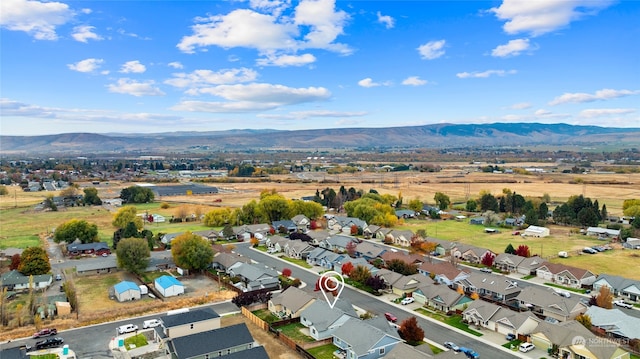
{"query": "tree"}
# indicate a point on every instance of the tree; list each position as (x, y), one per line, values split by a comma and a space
(191, 251)
(347, 268)
(489, 203)
(15, 262)
(523, 251)
(91, 196)
(543, 211)
(510, 249)
(471, 205)
(133, 254)
(415, 205)
(322, 283)
(376, 283)
(410, 331)
(286, 272)
(442, 200)
(531, 217)
(399, 266)
(587, 217)
(487, 259)
(603, 212)
(273, 205)
(137, 194)
(490, 217)
(604, 299)
(585, 320)
(130, 231)
(49, 203)
(360, 274)
(74, 229)
(3, 190)
(125, 215)
(34, 261)
(227, 232)
(248, 298)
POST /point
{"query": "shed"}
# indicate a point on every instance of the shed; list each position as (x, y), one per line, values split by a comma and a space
(168, 286)
(535, 231)
(126, 290)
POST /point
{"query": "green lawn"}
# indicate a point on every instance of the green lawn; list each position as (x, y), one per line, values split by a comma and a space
(138, 340)
(293, 331)
(152, 276)
(300, 262)
(323, 352)
(435, 349)
(582, 291)
(512, 345)
(44, 356)
(266, 315)
(456, 321)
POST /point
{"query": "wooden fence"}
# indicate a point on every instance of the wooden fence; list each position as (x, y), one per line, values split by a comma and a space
(254, 318)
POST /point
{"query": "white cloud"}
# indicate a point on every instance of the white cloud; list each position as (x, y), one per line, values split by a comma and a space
(387, 20)
(605, 112)
(86, 65)
(538, 115)
(521, 106)
(541, 17)
(315, 25)
(135, 88)
(414, 81)
(175, 65)
(85, 33)
(275, 7)
(432, 49)
(580, 97)
(485, 74)
(511, 48)
(286, 60)
(133, 67)
(368, 82)
(86, 11)
(38, 19)
(202, 78)
(301, 115)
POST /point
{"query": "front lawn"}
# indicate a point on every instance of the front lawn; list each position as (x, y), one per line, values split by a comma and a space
(137, 340)
(456, 321)
(323, 351)
(293, 331)
(300, 262)
(512, 345)
(581, 291)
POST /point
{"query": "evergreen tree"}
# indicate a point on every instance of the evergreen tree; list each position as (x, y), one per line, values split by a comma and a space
(510, 249)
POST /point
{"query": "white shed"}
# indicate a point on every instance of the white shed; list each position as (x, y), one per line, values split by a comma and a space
(168, 286)
(535, 231)
(126, 290)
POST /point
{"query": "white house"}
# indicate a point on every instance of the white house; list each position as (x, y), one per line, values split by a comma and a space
(168, 286)
(535, 231)
(125, 291)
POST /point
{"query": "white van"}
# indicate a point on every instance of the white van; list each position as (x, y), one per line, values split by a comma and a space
(563, 254)
(151, 323)
(128, 328)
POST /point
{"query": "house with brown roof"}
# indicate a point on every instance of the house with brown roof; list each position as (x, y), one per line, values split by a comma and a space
(290, 303)
(565, 275)
(407, 258)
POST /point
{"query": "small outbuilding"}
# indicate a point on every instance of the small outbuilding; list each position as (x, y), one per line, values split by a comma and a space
(535, 231)
(168, 286)
(125, 291)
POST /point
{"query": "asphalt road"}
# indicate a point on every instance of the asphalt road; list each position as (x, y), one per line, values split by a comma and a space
(435, 332)
(92, 342)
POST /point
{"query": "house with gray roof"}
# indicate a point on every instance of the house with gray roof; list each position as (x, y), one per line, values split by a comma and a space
(290, 303)
(495, 288)
(224, 260)
(528, 266)
(254, 276)
(547, 303)
(404, 351)
(507, 262)
(563, 337)
(369, 251)
(277, 243)
(188, 322)
(499, 319)
(620, 286)
(603, 232)
(16, 281)
(470, 253)
(401, 237)
(324, 258)
(614, 322)
(302, 222)
(405, 213)
(344, 224)
(323, 320)
(284, 226)
(318, 235)
(424, 290)
(297, 249)
(337, 265)
(338, 243)
(443, 272)
(97, 266)
(359, 339)
(407, 284)
(389, 277)
(446, 299)
(228, 340)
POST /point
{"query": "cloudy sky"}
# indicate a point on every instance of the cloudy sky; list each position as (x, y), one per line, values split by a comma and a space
(157, 66)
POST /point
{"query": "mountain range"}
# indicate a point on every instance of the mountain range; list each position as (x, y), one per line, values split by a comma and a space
(427, 136)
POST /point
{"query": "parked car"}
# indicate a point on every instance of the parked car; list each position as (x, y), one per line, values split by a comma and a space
(45, 333)
(623, 304)
(526, 347)
(127, 328)
(390, 317)
(151, 323)
(407, 300)
(510, 337)
(49, 343)
(452, 346)
(485, 270)
(563, 254)
(470, 353)
(58, 276)
(589, 250)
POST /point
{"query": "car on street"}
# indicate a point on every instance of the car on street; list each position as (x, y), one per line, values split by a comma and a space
(45, 333)
(485, 270)
(127, 328)
(526, 347)
(470, 353)
(151, 323)
(49, 343)
(452, 346)
(623, 304)
(407, 300)
(390, 317)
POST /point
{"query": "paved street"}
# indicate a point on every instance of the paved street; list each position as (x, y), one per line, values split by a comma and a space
(435, 332)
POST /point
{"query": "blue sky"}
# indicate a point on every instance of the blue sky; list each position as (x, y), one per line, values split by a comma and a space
(158, 66)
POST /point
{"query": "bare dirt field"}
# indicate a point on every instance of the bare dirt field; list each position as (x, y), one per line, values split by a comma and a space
(275, 349)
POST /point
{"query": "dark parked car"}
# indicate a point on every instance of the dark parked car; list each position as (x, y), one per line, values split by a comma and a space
(510, 337)
(49, 343)
(45, 332)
